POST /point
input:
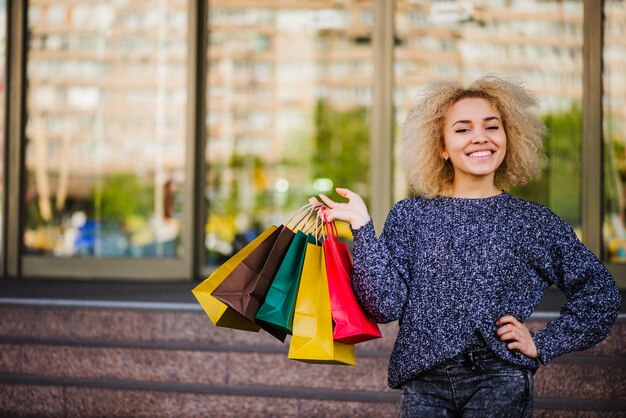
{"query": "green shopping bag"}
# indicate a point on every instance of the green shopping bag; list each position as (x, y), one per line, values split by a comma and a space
(278, 309)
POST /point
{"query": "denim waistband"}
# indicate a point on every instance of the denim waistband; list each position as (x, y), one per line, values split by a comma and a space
(470, 354)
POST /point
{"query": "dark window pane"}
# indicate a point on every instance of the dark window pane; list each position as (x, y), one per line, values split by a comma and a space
(106, 126)
(289, 91)
(539, 43)
(3, 80)
(614, 124)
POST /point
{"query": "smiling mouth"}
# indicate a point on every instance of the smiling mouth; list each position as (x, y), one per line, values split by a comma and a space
(480, 154)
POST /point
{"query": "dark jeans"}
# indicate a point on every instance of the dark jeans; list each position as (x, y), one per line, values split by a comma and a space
(473, 384)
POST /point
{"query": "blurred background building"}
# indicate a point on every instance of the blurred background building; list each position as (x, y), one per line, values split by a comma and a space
(284, 109)
(150, 140)
(287, 107)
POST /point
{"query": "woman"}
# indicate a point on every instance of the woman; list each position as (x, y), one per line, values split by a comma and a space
(462, 265)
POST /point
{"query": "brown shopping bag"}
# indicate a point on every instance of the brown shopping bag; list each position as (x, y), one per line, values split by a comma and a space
(244, 289)
(312, 340)
(221, 314)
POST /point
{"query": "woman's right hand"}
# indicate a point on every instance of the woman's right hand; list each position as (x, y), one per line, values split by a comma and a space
(353, 211)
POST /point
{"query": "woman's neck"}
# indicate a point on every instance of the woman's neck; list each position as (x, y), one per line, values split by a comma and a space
(472, 190)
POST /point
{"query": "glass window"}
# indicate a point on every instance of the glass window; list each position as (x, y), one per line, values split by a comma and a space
(614, 125)
(288, 96)
(3, 81)
(106, 128)
(538, 42)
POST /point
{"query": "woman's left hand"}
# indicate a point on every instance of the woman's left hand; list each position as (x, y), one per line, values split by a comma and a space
(517, 335)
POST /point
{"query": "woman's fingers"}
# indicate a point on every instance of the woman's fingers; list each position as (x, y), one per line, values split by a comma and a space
(508, 319)
(504, 330)
(328, 201)
(509, 336)
(351, 196)
(343, 192)
(515, 345)
(347, 193)
(354, 211)
(509, 326)
(517, 335)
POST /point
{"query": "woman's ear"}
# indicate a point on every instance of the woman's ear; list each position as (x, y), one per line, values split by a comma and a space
(445, 155)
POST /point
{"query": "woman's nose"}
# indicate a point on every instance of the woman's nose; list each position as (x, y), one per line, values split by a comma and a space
(479, 138)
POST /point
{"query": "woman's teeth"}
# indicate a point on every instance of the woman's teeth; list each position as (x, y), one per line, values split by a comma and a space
(479, 154)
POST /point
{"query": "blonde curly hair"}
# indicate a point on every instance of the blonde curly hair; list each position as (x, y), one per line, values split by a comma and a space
(422, 134)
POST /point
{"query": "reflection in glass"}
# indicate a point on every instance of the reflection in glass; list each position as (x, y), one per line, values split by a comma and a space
(106, 128)
(614, 125)
(289, 88)
(538, 42)
(3, 81)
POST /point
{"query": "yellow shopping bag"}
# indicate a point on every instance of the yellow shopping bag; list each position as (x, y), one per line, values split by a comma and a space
(312, 340)
(221, 314)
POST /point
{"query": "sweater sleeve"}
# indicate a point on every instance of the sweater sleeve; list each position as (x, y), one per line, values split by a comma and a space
(593, 298)
(380, 270)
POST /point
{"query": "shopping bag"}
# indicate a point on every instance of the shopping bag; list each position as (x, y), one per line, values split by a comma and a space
(312, 334)
(244, 289)
(278, 309)
(352, 325)
(221, 314)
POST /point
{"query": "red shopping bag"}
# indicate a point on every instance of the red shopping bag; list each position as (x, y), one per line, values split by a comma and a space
(352, 325)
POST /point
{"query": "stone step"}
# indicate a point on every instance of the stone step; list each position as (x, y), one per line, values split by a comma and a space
(154, 326)
(80, 399)
(86, 361)
(191, 327)
(184, 366)
(569, 377)
(66, 397)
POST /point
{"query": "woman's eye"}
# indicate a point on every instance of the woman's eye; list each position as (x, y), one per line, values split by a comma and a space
(493, 128)
(461, 130)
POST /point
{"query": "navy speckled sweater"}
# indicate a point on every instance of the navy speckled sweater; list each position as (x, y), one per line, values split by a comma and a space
(448, 268)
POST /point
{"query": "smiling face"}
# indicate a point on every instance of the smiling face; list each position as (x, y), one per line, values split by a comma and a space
(474, 140)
